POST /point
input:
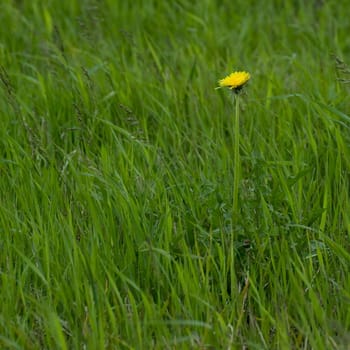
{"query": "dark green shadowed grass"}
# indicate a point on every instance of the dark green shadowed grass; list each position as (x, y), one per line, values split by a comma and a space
(117, 171)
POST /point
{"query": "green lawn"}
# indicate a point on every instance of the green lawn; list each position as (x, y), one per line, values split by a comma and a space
(132, 216)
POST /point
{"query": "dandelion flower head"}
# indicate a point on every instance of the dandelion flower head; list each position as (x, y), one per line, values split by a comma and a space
(235, 80)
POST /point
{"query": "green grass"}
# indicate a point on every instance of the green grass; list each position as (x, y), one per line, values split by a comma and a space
(118, 226)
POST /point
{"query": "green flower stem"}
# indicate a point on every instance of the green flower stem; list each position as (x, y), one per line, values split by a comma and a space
(237, 161)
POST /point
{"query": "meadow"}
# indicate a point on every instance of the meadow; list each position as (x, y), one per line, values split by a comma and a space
(129, 218)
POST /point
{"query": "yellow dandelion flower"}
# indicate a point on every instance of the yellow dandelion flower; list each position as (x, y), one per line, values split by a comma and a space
(235, 81)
